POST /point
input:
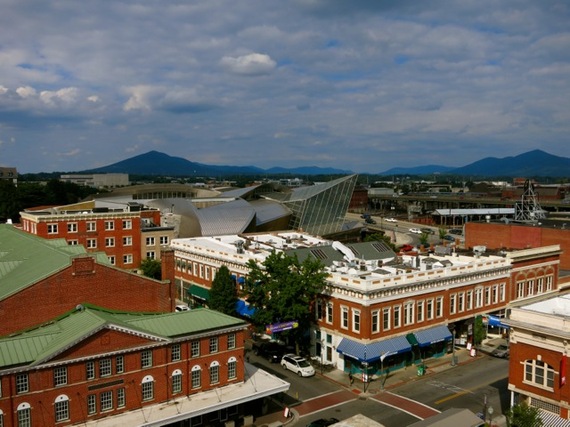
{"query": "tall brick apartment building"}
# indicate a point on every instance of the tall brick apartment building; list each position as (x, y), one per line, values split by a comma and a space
(97, 367)
(41, 279)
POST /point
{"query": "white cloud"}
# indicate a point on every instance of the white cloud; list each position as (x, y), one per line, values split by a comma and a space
(140, 97)
(66, 95)
(93, 98)
(26, 91)
(253, 64)
(3, 90)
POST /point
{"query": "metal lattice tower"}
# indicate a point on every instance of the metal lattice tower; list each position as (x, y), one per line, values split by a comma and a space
(528, 209)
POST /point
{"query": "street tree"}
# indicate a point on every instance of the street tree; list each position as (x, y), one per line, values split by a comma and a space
(223, 293)
(283, 289)
(523, 415)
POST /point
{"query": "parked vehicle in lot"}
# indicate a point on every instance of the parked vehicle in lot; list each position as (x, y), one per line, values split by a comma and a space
(391, 220)
(323, 422)
(415, 231)
(501, 351)
(297, 364)
(271, 350)
(427, 230)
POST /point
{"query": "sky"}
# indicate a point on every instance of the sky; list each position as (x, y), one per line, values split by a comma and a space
(359, 85)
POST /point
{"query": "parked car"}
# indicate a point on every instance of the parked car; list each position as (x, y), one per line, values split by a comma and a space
(449, 238)
(391, 220)
(271, 350)
(365, 215)
(323, 422)
(406, 248)
(181, 307)
(297, 364)
(427, 230)
(501, 351)
(456, 231)
(415, 231)
(370, 221)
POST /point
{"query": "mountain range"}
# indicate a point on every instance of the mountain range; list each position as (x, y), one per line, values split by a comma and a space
(535, 163)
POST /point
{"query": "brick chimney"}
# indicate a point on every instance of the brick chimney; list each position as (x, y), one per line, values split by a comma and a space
(167, 272)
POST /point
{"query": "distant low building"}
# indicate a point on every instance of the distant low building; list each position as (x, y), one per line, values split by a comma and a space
(105, 180)
(9, 174)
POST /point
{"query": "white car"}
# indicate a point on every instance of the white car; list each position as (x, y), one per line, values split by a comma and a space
(297, 364)
(415, 231)
(391, 220)
(181, 307)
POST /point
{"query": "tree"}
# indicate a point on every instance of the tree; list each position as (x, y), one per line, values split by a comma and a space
(442, 233)
(479, 332)
(522, 415)
(223, 293)
(282, 289)
(381, 237)
(152, 268)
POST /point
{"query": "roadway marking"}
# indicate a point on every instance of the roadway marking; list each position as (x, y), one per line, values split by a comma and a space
(324, 401)
(409, 406)
(471, 390)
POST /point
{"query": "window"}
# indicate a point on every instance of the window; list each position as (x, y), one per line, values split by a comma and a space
(344, 317)
(452, 300)
(329, 312)
(502, 291)
(24, 415)
(127, 224)
(61, 407)
(520, 289)
(429, 309)
(549, 283)
(231, 341)
(397, 320)
(127, 241)
(146, 359)
(540, 285)
(91, 226)
(214, 373)
(104, 368)
(495, 294)
(530, 287)
(52, 228)
(164, 240)
(72, 227)
(150, 241)
(461, 302)
(120, 364)
(91, 404)
(73, 242)
(91, 243)
(195, 348)
(232, 368)
(121, 398)
(175, 353)
(112, 259)
(409, 313)
(22, 385)
(213, 344)
(176, 381)
(479, 297)
(487, 296)
(106, 401)
(469, 299)
(60, 376)
(90, 370)
(375, 321)
(439, 307)
(196, 377)
(151, 255)
(109, 242)
(420, 311)
(127, 259)
(356, 320)
(147, 388)
(109, 225)
(386, 318)
(539, 374)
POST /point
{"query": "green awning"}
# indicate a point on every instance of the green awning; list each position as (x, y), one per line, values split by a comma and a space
(412, 339)
(199, 292)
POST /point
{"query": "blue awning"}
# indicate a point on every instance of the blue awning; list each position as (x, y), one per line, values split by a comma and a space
(371, 352)
(432, 335)
(495, 321)
(243, 309)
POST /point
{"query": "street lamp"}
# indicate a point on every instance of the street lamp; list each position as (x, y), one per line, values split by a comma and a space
(453, 361)
(382, 357)
(364, 376)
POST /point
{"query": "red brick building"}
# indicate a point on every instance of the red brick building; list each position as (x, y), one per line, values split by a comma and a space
(43, 279)
(93, 366)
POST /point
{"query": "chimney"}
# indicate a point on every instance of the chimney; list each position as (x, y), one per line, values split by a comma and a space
(167, 264)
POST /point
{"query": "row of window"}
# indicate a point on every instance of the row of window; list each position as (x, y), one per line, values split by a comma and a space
(73, 227)
(415, 311)
(116, 399)
(534, 286)
(104, 367)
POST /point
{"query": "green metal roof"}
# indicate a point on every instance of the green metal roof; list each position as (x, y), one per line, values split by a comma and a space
(35, 346)
(26, 259)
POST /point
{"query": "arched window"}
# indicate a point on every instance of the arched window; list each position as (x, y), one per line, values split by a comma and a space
(24, 412)
(232, 368)
(214, 372)
(196, 376)
(539, 374)
(147, 385)
(61, 407)
(176, 381)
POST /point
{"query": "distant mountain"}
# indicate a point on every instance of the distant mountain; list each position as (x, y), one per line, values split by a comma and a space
(530, 164)
(157, 163)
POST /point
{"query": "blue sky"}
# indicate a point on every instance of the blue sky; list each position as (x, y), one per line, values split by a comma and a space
(358, 85)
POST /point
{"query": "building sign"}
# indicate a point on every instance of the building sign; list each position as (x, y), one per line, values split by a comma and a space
(283, 326)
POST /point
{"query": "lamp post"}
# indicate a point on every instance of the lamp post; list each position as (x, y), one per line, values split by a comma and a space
(453, 361)
(382, 357)
(364, 376)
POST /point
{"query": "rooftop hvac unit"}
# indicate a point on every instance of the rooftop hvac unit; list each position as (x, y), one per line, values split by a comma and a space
(480, 249)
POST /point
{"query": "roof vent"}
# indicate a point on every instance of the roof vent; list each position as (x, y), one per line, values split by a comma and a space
(79, 307)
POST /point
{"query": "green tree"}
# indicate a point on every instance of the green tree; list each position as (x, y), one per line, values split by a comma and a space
(424, 237)
(380, 237)
(522, 415)
(152, 268)
(479, 331)
(442, 233)
(8, 201)
(223, 293)
(282, 289)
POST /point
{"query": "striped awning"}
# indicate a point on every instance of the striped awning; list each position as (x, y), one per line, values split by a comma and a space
(552, 420)
(371, 352)
(432, 335)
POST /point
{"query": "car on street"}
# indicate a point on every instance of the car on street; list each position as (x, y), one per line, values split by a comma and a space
(271, 350)
(370, 221)
(449, 238)
(501, 351)
(427, 230)
(297, 364)
(323, 422)
(365, 215)
(415, 231)
(391, 220)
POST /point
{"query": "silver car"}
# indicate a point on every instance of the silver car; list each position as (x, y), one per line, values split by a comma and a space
(297, 364)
